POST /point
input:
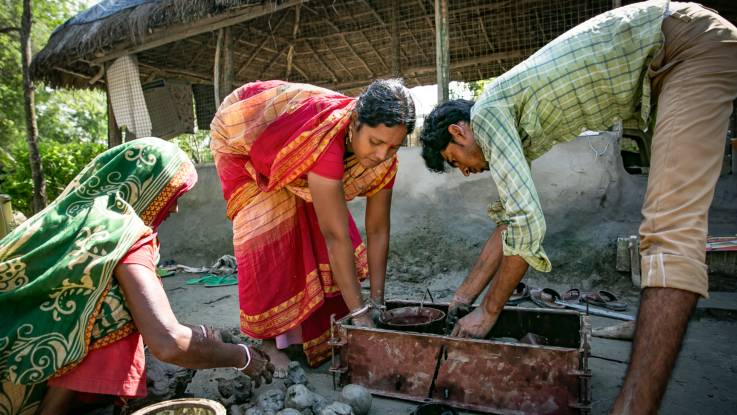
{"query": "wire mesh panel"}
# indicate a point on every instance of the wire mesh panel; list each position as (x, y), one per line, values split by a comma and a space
(204, 103)
(345, 44)
(488, 38)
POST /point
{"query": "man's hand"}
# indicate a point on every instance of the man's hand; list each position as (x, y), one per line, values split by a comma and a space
(260, 367)
(456, 311)
(475, 325)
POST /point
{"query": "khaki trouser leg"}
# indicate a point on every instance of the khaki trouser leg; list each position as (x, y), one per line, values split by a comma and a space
(698, 83)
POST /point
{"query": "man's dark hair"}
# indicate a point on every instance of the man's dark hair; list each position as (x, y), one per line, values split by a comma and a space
(388, 102)
(435, 136)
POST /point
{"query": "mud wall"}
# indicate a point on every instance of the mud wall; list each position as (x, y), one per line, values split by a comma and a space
(439, 221)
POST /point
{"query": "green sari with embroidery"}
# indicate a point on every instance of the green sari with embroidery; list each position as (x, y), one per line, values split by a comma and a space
(58, 297)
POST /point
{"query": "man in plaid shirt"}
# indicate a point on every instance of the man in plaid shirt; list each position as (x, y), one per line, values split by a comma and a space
(614, 67)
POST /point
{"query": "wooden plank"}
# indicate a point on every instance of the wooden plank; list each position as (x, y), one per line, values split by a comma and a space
(77, 74)
(442, 52)
(162, 36)
(178, 73)
(479, 60)
(422, 70)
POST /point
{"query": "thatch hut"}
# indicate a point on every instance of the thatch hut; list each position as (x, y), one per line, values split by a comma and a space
(215, 45)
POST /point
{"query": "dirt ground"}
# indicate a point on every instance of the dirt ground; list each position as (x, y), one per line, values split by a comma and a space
(704, 380)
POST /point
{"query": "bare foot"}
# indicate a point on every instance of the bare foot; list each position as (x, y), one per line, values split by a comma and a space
(278, 358)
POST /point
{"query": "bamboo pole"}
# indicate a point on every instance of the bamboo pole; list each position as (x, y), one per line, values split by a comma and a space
(442, 50)
(216, 68)
(228, 67)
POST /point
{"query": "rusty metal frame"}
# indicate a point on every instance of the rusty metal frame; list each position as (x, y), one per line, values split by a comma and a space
(476, 374)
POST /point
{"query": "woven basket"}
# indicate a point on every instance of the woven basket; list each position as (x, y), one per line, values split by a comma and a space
(186, 406)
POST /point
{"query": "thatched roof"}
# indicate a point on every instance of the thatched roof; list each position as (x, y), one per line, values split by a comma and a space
(340, 44)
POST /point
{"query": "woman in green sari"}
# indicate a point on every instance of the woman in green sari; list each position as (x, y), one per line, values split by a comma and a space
(78, 288)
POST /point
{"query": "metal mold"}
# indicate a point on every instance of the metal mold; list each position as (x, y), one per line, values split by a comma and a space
(416, 319)
(477, 374)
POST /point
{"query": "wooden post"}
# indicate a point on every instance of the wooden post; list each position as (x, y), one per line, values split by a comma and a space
(442, 52)
(227, 86)
(114, 137)
(396, 44)
(216, 79)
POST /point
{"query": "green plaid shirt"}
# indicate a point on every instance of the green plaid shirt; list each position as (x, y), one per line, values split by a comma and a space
(586, 79)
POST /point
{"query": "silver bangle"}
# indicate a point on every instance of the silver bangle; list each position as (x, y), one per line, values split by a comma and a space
(357, 312)
(248, 357)
(376, 305)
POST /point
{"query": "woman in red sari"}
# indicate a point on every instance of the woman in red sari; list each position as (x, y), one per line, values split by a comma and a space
(289, 156)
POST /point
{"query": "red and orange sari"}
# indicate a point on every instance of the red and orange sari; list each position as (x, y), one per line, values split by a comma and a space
(266, 137)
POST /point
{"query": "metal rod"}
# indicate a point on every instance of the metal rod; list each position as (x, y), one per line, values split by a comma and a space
(596, 311)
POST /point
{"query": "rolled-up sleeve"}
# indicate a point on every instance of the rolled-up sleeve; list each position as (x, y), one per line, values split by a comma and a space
(519, 208)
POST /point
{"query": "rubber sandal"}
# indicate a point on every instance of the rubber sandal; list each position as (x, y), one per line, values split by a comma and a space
(210, 278)
(604, 298)
(223, 281)
(163, 273)
(520, 294)
(546, 298)
(574, 294)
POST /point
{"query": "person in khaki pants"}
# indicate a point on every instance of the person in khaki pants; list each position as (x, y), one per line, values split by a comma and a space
(676, 62)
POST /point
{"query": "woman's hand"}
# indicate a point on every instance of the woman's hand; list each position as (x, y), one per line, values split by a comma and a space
(260, 367)
(364, 320)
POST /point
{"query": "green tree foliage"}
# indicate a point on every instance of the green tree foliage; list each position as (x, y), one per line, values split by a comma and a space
(47, 16)
(61, 163)
(75, 118)
(197, 146)
(468, 90)
(477, 87)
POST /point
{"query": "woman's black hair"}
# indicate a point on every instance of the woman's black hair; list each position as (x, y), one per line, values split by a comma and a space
(435, 136)
(388, 102)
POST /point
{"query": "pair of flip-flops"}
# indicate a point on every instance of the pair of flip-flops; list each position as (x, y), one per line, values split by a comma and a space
(212, 280)
(599, 298)
(549, 298)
